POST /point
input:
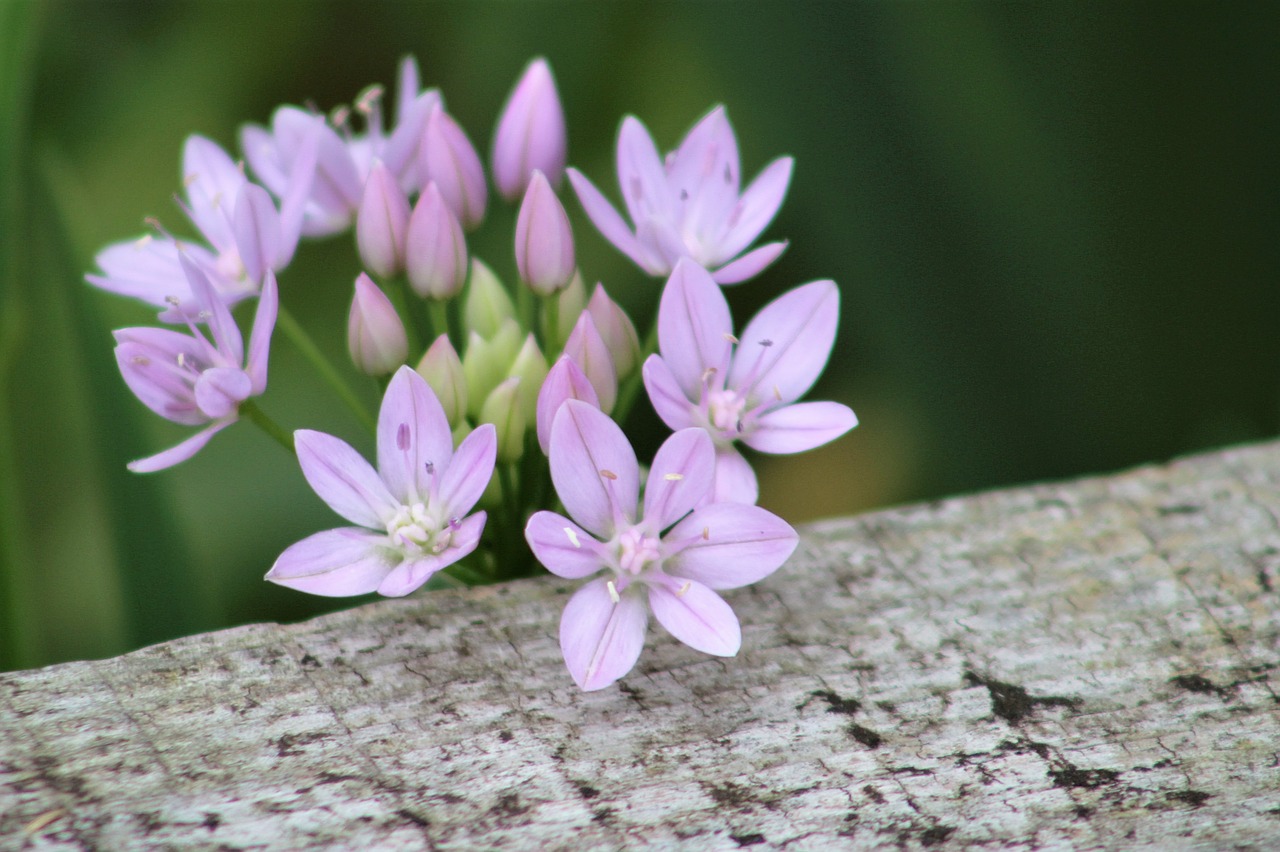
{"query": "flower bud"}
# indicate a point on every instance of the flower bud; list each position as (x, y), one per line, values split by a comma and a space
(502, 409)
(617, 330)
(255, 224)
(435, 249)
(587, 348)
(381, 223)
(564, 381)
(531, 133)
(375, 335)
(568, 305)
(442, 368)
(451, 161)
(531, 368)
(544, 240)
(487, 304)
(485, 363)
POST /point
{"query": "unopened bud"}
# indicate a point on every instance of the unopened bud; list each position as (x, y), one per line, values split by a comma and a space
(381, 223)
(442, 368)
(531, 368)
(568, 305)
(375, 335)
(587, 348)
(436, 250)
(448, 158)
(617, 330)
(564, 381)
(531, 133)
(544, 239)
(502, 409)
(485, 363)
(487, 305)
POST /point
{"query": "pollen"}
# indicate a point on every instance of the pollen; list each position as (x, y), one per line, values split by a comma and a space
(609, 475)
(613, 592)
(683, 590)
(182, 359)
(673, 477)
(706, 533)
(573, 537)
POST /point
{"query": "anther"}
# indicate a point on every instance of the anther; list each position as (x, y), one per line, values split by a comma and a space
(729, 337)
(608, 474)
(187, 180)
(182, 359)
(431, 468)
(369, 98)
(338, 117)
(143, 241)
(684, 589)
(174, 301)
(140, 360)
(573, 537)
(673, 477)
(708, 374)
(766, 343)
(777, 394)
(706, 533)
(613, 592)
(402, 437)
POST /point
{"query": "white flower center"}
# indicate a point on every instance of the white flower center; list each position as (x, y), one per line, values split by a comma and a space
(725, 412)
(636, 550)
(417, 530)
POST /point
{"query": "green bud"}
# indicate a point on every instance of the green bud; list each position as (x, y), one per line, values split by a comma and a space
(486, 362)
(487, 303)
(568, 303)
(502, 409)
(442, 368)
(530, 368)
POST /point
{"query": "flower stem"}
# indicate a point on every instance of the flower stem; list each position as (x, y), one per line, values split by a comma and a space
(260, 419)
(439, 311)
(551, 316)
(418, 324)
(324, 367)
(627, 393)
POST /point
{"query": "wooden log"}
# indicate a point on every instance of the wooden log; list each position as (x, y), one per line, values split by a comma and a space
(1081, 665)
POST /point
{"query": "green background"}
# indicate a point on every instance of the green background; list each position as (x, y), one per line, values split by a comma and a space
(1054, 226)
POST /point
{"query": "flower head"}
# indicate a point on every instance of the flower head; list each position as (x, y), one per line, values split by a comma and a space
(744, 388)
(663, 551)
(689, 206)
(188, 378)
(411, 513)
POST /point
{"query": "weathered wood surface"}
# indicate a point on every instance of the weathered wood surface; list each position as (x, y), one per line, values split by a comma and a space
(1082, 665)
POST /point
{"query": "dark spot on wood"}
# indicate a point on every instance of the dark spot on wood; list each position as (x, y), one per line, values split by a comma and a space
(937, 834)
(1197, 683)
(150, 821)
(1264, 580)
(634, 694)
(1025, 745)
(747, 839)
(586, 791)
(1013, 703)
(1072, 776)
(730, 794)
(1179, 509)
(309, 662)
(1194, 798)
(601, 815)
(413, 818)
(866, 736)
(506, 736)
(873, 794)
(836, 704)
(211, 821)
(289, 745)
(509, 804)
(1082, 812)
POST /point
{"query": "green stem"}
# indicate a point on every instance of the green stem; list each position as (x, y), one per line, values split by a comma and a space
(627, 393)
(419, 326)
(324, 367)
(524, 304)
(439, 311)
(551, 314)
(250, 409)
(514, 528)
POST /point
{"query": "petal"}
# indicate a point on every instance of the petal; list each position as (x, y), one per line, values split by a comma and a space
(611, 225)
(564, 548)
(264, 322)
(180, 453)
(256, 224)
(786, 345)
(295, 196)
(698, 617)
(705, 175)
(343, 479)
(750, 264)
(220, 390)
(641, 177)
(226, 335)
(735, 480)
(682, 473)
(594, 468)
(469, 471)
(756, 209)
(263, 153)
(601, 639)
(694, 327)
(149, 362)
(667, 398)
(213, 184)
(565, 380)
(336, 563)
(588, 350)
(409, 575)
(146, 269)
(800, 426)
(414, 441)
(730, 545)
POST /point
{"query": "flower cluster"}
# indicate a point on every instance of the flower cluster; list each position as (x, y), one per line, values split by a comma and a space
(502, 401)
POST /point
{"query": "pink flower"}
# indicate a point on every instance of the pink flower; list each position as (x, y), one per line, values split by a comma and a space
(744, 389)
(690, 206)
(663, 550)
(190, 380)
(531, 133)
(410, 514)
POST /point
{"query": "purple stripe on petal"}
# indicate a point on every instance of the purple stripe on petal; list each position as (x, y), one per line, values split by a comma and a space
(564, 548)
(344, 480)
(601, 639)
(697, 616)
(730, 545)
(335, 563)
(800, 426)
(264, 323)
(415, 444)
(594, 469)
(682, 473)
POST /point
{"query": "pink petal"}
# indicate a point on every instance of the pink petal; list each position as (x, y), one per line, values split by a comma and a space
(335, 563)
(344, 480)
(594, 469)
(697, 616)
(257, 230)
(665, 395)
(564, 548)
(735, 480)
(402, 145)
(694, 327)
(263, 154)
(611, 225)
(730, 545)
(213, 184)
(148, 360)
(409, 576)
(469, 471)
(800, 426)
(565, 380)
(295, 195)
(750, 264)
(414, 441)
(226, 335)
(640, 173)
(220, 390)
(756, 209)
(180, 453)
(588, 350)
(681, 475)
(704, 173)
(264, 323)
(786, 345)
(601, 640)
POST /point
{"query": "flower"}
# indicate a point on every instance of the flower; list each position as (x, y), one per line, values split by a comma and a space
(544, 239)
(531, 133)
(410, 514)
(189, 380)
(689, 207)
(680, 555)
(744, 389)
(375, 335)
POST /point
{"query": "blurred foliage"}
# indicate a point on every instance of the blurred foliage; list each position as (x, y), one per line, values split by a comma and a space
(1053, 224)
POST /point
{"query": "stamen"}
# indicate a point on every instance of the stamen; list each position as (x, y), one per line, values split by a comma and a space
(187, 180)
(182, 359)
(673, 477)
(431, 468)
(706, 533)
(402, 437)
(368, 99)
(454, 523)
(573, 537)
(613, 592)
(708, 374)
(766, 343)
(729, 337)
(777, 394)
(728, 174)
(173, 301)
(140, 360)
(143, 241)
(338, 117)
(608, 474)
(684, 589)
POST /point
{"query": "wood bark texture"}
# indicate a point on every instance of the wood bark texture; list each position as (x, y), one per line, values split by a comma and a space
(1088, 665)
